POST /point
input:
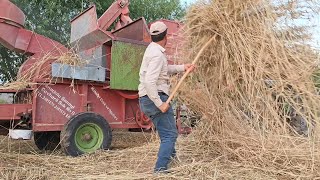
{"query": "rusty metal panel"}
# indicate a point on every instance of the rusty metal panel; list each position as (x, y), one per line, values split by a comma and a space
(8, 35)
(83, 24)
(11, 12)
(118, 8)
(11, 111)
(55, 104)
(91, 40)
(137, 30)
(85, 33)
(23, 39)
(126, 59)
(95, 57)
(107, 103)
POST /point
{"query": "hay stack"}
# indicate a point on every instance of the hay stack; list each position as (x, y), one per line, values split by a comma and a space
(254, 87)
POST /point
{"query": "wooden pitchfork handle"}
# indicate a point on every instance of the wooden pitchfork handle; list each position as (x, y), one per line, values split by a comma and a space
(188, 70)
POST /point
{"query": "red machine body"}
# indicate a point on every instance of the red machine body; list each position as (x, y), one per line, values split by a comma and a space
(50, 102)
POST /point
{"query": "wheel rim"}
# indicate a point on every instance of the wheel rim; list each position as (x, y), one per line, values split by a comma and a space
(89, 137)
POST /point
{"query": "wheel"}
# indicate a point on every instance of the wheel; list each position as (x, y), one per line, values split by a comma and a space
(47, 140)
(85, 133)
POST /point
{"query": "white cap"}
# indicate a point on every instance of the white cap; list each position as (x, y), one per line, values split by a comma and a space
(157, 28)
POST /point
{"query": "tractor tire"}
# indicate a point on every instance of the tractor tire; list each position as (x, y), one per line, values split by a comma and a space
(47, 140)
(85, 133)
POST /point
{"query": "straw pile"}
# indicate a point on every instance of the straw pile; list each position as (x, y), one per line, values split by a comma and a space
(71, 58)
(25, 79)
(254, 88)
(41, 68)
(22, 160)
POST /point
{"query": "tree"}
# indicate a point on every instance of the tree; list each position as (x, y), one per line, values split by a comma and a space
(52, 19)
(9, 64)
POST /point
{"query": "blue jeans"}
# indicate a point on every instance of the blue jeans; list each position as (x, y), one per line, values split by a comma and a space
(165, 124)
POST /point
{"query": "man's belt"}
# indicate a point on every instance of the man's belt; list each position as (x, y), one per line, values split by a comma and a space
(160, 93)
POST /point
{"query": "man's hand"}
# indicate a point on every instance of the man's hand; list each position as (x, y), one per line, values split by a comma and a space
(164, 107)
(189, 66)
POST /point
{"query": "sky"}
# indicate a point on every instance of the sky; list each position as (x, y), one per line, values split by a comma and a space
(315, 21)
(188, 1)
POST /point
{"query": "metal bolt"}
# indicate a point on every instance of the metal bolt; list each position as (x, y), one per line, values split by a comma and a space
(86, 137)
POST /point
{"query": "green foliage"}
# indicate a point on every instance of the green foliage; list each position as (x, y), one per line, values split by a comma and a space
(152, 10)
(9, 64)
(3, 101)
(52, 19)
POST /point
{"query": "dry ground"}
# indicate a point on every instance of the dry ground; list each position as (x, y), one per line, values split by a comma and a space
(132, 156)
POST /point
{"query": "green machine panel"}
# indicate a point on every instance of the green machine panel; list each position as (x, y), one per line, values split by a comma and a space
(126, 59)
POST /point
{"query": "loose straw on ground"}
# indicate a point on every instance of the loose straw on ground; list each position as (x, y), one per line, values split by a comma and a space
(253, 88)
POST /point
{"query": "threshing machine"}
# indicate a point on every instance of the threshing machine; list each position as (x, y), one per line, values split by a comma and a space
(78, 106)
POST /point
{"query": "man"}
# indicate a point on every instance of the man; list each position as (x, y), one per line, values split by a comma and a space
(154, 90)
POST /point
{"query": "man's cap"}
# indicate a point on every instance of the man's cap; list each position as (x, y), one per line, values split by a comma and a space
(157, 28)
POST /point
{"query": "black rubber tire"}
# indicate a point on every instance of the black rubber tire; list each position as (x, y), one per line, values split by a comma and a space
(49, 140)
(67, 136)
